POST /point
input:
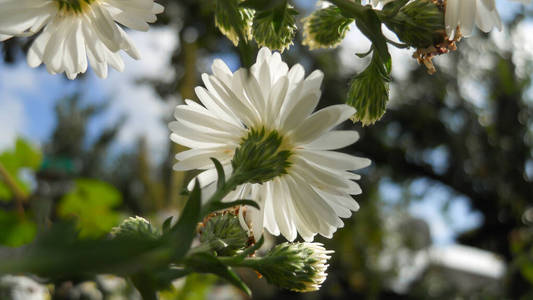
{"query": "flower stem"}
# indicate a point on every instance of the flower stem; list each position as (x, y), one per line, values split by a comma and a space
(235, 180)
(349, 8)
(19, 195)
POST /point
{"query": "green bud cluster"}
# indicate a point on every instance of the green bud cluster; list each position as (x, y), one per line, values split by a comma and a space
(233, 20)
(299, 267)
(369, 92)
(261, 157)
(73, 5)
(275, 27)
(135, 228)
(270, 22)
(325, 28)
(224, 234)
(419, 24)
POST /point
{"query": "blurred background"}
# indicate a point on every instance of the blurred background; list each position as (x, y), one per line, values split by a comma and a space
(447, 207)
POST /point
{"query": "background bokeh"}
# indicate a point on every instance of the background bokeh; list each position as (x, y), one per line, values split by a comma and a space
(447, 207)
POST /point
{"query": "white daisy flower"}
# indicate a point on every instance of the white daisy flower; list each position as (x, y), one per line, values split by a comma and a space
(464, 14)
(316, 187)
(77, 32)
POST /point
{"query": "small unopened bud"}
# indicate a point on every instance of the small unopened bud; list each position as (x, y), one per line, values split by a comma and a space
(369, 93)
(261, 157)
(420, 24)
(275, 28)
(325, 28)
(135, 228)
(224, 234)
(300, 267)
(233, 20)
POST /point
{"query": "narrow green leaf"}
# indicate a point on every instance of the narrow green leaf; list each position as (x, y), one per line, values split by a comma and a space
(206, 263)
(167, 224)
(182, 234)
(252, 249)
(220, 173)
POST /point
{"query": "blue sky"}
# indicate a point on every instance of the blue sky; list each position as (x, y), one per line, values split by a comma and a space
(27, 98)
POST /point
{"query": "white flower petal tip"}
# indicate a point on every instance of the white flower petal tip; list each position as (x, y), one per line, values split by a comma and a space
(77, 33)
(465, 14)
(317, 188)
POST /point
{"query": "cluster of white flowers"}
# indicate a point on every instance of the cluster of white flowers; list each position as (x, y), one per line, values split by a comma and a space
(314, 188)
(77, 32)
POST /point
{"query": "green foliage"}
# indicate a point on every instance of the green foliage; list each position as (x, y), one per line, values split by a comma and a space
(275, 27)
(326, 28)
(369, 92)
(23, 156)
(196, 287)
(183, 233)
(233, 20)
(91, 203)
(16, 231)
(260, 156)
(206, 263)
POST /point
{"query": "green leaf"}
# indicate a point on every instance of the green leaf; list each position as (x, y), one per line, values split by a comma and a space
(183, 233)
(220, 173)
(15, 231)
(206, 263)
(167, 224)
(23, 156)
(250, 250)
(91, 203)
(59, 253)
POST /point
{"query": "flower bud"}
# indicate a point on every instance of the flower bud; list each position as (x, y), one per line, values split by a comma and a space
(369, 93)
(233, 20)
(300, 267)
(135, 228)
(224, 234)
(325, 28)
(420, 24)
(261, 157)
(275, 28)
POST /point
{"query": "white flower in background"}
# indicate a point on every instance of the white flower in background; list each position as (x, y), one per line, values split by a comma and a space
(317, 187)
(77, 32)
(465, 13)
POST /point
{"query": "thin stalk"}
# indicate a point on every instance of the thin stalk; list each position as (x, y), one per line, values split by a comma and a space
(349, 8)
(19, 194)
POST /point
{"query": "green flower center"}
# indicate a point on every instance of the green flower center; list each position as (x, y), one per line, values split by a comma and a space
(262, 155)
(73, 6)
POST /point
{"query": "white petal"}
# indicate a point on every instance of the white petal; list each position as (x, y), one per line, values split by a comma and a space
(320, 122)
(333, 140)
(335, 160)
